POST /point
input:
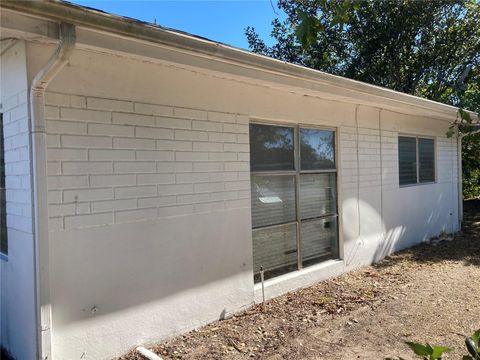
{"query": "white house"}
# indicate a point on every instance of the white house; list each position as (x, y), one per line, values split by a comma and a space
(149, 174)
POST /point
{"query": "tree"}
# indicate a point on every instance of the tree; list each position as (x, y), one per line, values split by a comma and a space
(424, 48)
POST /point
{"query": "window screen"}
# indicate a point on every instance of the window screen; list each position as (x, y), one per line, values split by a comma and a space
(426, 160)
(3, 200)
(416, 160)
(407, 160)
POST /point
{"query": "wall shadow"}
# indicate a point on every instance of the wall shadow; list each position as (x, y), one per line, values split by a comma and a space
(464, 246)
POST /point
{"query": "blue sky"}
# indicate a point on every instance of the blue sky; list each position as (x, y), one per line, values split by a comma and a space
(222, 21)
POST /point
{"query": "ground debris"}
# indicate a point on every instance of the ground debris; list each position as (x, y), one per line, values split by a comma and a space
(421, 294)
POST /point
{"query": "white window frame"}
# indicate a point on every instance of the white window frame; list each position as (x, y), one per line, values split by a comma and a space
(417, 158)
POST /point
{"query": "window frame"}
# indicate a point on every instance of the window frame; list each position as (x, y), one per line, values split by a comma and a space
(297, 172)
(417, 159)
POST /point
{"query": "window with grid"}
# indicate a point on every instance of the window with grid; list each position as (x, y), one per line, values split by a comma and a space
(293, 189)
(416, 160)
(3, 200)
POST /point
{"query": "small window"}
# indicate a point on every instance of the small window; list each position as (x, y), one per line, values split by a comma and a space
(416, 160)
(3, 199)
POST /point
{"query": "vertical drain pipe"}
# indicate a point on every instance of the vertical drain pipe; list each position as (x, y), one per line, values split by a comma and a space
(460, 172)
(460, 180)
(67, 39)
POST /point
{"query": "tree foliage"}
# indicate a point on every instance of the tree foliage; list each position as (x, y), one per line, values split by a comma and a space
(424, 48)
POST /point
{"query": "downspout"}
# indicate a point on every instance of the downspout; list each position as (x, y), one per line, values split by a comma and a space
(460, 180)
(57, 61)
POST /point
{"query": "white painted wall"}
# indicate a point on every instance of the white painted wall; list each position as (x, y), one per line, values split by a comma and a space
(149, 206)
(17, 308)
(392, 217)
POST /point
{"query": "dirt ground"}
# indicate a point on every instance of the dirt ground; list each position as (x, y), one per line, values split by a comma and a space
(430, 293)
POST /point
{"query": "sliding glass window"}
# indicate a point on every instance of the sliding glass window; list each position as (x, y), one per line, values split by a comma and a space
(294, 207)
(416, 160)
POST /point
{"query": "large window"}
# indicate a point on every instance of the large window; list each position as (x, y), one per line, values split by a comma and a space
(3, 200)
(416, 160)
(294, 207)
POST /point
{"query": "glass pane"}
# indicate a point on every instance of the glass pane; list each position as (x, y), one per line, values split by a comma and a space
(271, 148)
(275, 249)
(317, 195)
(319, 240)
(317, 149)
(273, 200)
(426, 160)
(407, 160)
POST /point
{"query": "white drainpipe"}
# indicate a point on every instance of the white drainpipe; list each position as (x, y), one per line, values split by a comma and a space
(459, 165)
(57, 61)
(460, 186)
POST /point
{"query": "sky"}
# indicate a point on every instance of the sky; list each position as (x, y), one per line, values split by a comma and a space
(222, 20)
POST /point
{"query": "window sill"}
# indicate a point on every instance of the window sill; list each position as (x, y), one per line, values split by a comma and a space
(418, 184)
(298, 279)
(3, 257)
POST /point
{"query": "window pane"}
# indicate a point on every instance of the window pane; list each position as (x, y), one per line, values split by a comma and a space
(319, 240)
(426, 160)
(273, 200)
(317, 195)
(275, 249)
(317, 149)
(407, 160)
(271, 148)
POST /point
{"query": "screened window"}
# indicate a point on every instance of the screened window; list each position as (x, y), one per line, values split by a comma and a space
(426, 160)
(416, 160)
(3, 200)
(294, 206)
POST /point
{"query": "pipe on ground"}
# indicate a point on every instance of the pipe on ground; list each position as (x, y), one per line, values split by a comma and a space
(147, 354)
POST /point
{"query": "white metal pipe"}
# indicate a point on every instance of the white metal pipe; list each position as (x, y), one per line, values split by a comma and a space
(39, 84)
(460, 173)
(459, 178)
(150, 355)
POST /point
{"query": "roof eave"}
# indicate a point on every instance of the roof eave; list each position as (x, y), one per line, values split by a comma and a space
(90, 18)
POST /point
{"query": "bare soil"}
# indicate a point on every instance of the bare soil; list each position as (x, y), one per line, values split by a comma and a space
(430, 293)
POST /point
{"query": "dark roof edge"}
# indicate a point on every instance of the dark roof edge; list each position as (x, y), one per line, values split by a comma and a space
(82, 16)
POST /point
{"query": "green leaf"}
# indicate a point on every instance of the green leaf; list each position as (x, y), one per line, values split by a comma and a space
(466, 357)
(308, 28)
(419, 349)
(451, 131)
(464, 116)
(438, 352)
(476, 338)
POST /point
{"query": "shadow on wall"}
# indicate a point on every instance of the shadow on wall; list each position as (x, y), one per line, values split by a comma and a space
(164, 265)
(463, 247)
(369, 237)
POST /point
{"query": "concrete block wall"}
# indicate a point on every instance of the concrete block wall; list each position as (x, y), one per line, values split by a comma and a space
(112, 161)
(378, 215)
(17, 297)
